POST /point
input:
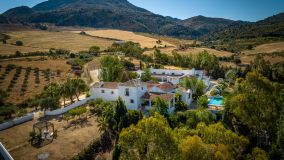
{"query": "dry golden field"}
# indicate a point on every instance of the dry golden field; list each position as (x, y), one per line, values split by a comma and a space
(271, 59)
(64, 147)
(125, 36)
(33, 89)
(267, 48)
(171, 40)
(194, 50)
(44, 40)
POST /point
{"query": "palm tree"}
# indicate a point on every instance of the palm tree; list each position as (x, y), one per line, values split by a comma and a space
(63, 93)
(106, 120)
(70, 89)
(80, 86)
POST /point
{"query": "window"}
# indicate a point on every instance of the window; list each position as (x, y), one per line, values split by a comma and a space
(103, 91)
(163, 73)
(127, 92)
(111, 92)
(173, 74)
(131, 101)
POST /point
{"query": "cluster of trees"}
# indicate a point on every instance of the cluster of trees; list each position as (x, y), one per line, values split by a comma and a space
(195, 85)
(117, 69)
(94, 50)
(113, 117)
(203, 60)
(131, 49)
(53, 93)
(254, 109)
(273, 72)
(153, 138)
(51, 53)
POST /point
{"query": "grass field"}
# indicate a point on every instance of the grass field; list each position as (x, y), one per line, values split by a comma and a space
(64, 147)
(126, 36)
(44, 40)
(33, 89)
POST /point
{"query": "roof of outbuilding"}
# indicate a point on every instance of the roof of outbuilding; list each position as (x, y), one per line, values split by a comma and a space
(108, 85)
(152, 96)
(167, 97)
(132, 83)
(166, 86)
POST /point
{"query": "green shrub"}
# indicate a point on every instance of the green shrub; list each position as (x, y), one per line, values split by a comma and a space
(19, 43)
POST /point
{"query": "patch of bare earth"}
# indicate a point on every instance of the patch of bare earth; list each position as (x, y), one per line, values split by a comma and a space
(68, 143)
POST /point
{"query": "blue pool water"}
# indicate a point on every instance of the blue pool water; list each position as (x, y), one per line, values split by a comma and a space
(216, 101)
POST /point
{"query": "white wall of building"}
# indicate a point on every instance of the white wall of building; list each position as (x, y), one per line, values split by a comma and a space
(172, 72)
(133, 100)
(108, 95)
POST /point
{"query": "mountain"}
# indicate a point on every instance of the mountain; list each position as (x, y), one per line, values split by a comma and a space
(3, 20)
(270, 27)
(206, 24)
(117, 14)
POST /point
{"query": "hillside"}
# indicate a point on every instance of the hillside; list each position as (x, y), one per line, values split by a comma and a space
(116, 14)
(205, 24)
(270, 27)
(3, 20)
(120, 14)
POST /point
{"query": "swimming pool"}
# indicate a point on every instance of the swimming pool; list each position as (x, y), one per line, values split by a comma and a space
(216, 101)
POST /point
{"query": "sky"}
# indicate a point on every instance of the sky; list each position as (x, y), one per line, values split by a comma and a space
(246, 10)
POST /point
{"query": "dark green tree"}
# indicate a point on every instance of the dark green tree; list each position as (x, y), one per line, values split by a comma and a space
(160, 106)
(179, 105)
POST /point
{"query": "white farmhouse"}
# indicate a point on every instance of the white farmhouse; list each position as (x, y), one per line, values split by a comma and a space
(131, 92)
(174, 76)
(139, 95)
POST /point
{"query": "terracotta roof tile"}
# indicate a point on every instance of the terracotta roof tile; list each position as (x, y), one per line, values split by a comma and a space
(108, 85)
(132, 83)
(152, 96)
(167, 97)
(166, 86)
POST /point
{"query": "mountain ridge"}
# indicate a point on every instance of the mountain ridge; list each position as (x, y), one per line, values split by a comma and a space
(117, 14)
(121, 14)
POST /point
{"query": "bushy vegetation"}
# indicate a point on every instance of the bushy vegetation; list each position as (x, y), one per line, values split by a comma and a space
(117, 69)
(53, 92)
(19, 43)
(51, 53)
